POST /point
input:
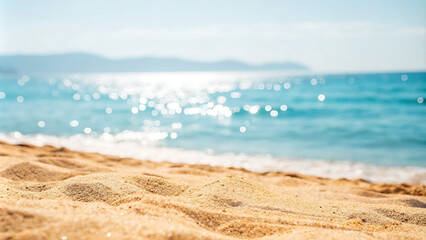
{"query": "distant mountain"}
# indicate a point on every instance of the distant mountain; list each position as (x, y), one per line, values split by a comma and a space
(84, 63)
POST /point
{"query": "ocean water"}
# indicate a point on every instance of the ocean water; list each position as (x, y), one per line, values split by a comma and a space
(371, 126)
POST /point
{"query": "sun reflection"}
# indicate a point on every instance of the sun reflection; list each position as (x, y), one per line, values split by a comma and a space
(41, 124)
(142, 107)
(277, 87)
(210, 104)
(67, 83)
(176, 125)
(113, 96)
(142, 100)
(123, 96)
(217, 102)
(236, 95)
(173, 135)
(287, 85)
(76, 96)
(17, 135)
(87, 130)
(221, 99)
(96, 95)
(268, 108)
(254, 109)
(74, 123)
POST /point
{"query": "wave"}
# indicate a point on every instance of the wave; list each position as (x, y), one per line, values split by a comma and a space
(147, 145)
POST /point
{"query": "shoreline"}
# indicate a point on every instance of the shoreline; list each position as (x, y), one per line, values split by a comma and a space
(321, 168)
(49, 192)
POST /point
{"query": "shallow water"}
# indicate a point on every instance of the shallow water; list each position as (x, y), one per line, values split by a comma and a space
(286, 120)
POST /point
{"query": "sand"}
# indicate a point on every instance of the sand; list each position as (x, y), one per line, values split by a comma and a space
(55, 193)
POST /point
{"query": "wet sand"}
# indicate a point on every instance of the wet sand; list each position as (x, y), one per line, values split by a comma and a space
(55, 193)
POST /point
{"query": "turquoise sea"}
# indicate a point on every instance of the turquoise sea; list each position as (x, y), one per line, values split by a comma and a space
(338, 125)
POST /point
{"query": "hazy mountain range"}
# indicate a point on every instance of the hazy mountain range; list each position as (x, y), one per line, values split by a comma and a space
(85, 63)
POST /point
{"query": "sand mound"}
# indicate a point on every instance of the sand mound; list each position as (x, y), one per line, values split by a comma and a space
(51, 193)
(16, 221)
(233, 191)
(30, 172)
(157, 185)
(418, 218)
(89, 192)
(419, 190)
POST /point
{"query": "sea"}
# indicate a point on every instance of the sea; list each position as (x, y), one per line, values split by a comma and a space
(352, 125)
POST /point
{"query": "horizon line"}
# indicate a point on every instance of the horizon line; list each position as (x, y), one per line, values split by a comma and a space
(150, 56)
(309, 69)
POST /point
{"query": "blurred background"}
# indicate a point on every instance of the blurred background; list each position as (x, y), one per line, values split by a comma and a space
(326, 35)
(329, 88)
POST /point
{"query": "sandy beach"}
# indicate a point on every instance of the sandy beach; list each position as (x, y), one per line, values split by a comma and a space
(55, 193)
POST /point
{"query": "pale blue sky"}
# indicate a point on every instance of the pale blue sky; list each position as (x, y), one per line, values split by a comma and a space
(326, 35)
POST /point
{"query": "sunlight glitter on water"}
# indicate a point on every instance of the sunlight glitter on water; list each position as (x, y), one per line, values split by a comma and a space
(302, 116)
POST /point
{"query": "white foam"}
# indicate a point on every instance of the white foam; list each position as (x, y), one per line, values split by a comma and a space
(145, 145)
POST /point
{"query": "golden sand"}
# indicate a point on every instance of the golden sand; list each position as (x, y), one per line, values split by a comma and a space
(55, 193)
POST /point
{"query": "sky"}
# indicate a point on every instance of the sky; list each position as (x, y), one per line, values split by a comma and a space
(325, 35)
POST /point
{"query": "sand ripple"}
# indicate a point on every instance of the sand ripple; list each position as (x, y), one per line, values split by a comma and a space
(51, 193)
